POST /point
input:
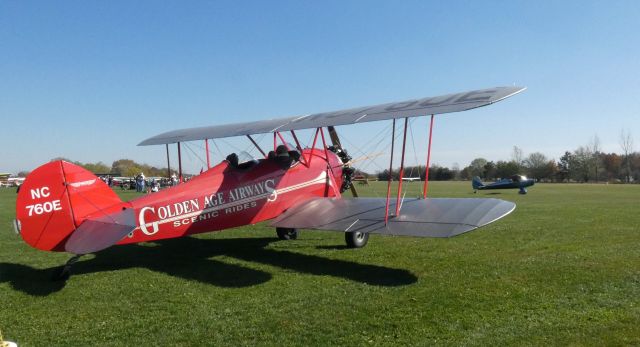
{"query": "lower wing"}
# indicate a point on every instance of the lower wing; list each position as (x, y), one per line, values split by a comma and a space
(417, 217)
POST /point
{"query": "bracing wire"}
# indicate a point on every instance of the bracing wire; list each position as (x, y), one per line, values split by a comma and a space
(231, 145)
(413, 144)
(194, 153)
(375, 147)
(363, 152)
(251, 148)
(218, 148)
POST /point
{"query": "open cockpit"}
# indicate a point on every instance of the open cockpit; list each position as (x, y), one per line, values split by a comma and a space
(283, 156)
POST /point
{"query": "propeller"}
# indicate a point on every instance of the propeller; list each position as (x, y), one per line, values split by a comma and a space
(347, 170)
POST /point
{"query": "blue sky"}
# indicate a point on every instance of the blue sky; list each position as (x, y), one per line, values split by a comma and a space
(90, 80)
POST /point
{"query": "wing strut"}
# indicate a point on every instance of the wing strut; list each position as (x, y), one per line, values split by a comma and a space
(179, 163)
(283, 141)
(386, 208)
(426, 179)
(168, 162)
(331, 183)
(303, 160)
(404, 143)
(255, 144)
(315, 138)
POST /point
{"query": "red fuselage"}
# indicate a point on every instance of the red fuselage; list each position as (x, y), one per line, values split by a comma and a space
(225, 197)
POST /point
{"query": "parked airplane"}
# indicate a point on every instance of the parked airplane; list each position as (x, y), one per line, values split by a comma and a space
(63, 207)
(411, 179)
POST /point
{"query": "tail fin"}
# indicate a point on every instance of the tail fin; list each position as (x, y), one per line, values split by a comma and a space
(476, 182)
(55, 199)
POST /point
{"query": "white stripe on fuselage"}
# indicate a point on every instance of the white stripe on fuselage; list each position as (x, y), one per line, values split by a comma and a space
(320, 179)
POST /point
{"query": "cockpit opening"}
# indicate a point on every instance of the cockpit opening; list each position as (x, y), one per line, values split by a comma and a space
(283, 156)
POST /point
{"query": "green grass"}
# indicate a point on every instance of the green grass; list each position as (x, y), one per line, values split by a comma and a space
(563, 269)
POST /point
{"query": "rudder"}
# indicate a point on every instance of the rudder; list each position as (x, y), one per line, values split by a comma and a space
(476, 183)
(55, 199)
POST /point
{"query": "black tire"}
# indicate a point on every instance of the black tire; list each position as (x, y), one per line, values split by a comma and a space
(356, 239)
(287, 233)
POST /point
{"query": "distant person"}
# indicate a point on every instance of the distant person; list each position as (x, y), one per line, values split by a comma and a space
(139, 183)
(142, 182)
(155, 186)
(174, 180)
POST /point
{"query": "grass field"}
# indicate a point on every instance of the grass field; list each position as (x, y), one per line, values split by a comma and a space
(563, 269)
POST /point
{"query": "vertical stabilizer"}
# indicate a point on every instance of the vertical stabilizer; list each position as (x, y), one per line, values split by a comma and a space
(55, 199)
(476, 183)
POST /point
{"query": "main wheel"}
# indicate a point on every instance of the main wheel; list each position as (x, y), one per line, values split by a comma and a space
(356, 239)
(287, 233)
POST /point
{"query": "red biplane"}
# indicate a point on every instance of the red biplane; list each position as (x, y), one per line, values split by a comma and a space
(63, 207)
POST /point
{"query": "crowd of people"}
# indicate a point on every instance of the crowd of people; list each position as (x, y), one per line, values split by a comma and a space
(140, 182)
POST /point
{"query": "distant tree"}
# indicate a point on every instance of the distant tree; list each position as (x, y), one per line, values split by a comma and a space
(362, 173)
(23, 173)
(63, 158)
(384, 175)
(506, 169)
(443, 174)
(125, 167)
(98, 168)
(564, 167)
(612, 164)
(581, 163)
(465, 174)
(476, 167)
(455, 169)
(594, 147)
(489, 170)
(626, 143)
(517, 156)
(432, 172)
(551, 169)
(537, 166)
(635, 166)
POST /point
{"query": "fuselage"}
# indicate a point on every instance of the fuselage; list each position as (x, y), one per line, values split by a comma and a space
(226, 196)
(507, 183)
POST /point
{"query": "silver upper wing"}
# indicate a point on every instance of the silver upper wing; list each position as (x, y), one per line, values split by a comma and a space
(417, 217)
(411, 108)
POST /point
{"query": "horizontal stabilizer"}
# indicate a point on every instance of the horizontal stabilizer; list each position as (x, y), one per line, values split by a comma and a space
(418, 217)
(95, 234)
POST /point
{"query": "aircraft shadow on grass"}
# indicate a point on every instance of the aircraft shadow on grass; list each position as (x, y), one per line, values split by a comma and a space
(189, 258)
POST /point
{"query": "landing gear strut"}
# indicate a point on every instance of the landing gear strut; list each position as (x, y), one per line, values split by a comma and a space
(356, 239)
(62, 273)
(287, 233)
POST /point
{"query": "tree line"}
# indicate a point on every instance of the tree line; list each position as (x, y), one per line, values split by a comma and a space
(121, 167)
(584, 164)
